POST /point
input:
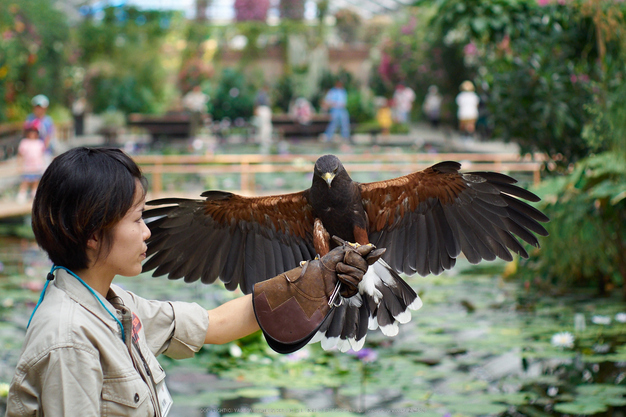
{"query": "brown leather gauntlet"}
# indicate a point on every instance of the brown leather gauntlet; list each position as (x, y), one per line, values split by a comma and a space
(291, 307)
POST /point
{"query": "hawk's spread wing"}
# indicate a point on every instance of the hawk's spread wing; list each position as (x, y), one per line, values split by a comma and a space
(242, 240)
(427, 218)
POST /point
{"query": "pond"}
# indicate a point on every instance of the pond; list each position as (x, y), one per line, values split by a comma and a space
(482, 345)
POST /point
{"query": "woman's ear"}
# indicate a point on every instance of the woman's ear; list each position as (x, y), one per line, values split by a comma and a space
(93, 243)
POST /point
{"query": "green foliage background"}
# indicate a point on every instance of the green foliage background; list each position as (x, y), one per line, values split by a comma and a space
(33, 48)
(122, 55)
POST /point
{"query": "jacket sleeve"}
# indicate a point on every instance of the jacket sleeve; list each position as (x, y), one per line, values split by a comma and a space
(176, 329)
(67, 381)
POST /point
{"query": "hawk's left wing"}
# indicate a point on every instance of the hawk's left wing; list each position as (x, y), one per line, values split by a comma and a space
(428, 218)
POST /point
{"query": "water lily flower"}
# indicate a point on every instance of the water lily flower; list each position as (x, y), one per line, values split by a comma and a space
(563, 340)
(604, 320)
(620, 317)
(366, 355)
(235, 351)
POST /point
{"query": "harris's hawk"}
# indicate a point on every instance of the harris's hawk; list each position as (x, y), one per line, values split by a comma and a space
(425, 220)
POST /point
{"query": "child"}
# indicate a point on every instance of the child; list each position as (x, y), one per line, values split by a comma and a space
(31, 158)
(91, 347)
(384, 116)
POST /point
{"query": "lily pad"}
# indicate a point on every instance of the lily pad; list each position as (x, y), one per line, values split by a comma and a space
(512, 398)
(581, 408)
(470, 409)
(601, 390)
(258, 392)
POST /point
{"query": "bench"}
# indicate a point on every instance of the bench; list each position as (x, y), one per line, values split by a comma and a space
(287, 126)
(174, 125)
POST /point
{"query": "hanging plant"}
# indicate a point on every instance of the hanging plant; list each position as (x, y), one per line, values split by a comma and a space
(246, 10)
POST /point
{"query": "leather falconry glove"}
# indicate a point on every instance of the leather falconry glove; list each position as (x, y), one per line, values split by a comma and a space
(292, 306)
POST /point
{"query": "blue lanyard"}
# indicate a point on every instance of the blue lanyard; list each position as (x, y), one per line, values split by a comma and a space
(51, 277)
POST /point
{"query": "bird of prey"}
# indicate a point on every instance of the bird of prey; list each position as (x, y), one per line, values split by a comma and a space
(425, 220)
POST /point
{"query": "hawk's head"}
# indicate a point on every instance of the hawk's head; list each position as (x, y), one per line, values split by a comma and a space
(328, 167)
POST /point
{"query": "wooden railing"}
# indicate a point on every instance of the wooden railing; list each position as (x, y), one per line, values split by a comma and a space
(398, 164)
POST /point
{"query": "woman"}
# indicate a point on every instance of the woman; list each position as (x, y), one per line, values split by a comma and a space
(91, 347)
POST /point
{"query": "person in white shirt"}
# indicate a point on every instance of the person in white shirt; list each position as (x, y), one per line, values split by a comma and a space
(467, 101)
(403, 99)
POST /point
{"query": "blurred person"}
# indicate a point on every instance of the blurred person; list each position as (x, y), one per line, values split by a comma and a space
(467, 101)
(31, 159)
(79, 107)
(195, 102)
(403, 99)
(90, 347)
(46, 125)
(263, 112)
(336, 101)
(432, 106)
(302, 111)
(384, 116)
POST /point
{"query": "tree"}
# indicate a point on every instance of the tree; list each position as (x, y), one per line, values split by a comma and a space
(123, 59)
(539, 62)
(33, 35)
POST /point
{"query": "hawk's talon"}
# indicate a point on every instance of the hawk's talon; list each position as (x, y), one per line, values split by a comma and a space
(302, 263)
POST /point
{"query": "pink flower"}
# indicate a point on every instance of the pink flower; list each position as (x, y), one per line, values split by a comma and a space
(470, 49)
(409, 28)
(251, 10)
(573, 78)
(543, 3)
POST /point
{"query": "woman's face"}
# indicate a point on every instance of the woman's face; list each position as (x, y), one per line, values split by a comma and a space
(128, 248)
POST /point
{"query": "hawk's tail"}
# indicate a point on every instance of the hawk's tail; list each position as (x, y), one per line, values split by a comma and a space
(384, 301)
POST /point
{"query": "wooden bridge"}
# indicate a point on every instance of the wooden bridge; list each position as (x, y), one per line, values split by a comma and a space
(247, 166)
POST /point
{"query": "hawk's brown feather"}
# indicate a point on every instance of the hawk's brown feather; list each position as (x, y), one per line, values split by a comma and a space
(425, 220)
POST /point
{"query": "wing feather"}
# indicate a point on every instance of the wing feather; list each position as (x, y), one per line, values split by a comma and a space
(241, 240)
(437, 214)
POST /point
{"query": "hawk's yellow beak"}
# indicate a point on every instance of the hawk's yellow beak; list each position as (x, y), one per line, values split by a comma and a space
(328, 177)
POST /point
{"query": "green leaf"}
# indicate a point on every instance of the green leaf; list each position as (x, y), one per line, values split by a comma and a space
(604, 390)
(583, 408)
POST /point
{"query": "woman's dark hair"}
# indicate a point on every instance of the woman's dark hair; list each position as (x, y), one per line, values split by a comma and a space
(83, 193)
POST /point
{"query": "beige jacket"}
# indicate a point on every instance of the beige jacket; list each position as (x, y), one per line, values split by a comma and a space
(74, 362)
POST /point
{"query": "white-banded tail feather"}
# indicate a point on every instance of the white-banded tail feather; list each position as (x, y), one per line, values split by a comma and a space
(384, 301)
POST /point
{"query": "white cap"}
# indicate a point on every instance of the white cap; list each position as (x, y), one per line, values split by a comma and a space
(40, 100)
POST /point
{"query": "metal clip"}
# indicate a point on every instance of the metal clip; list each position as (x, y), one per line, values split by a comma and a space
(334, 295)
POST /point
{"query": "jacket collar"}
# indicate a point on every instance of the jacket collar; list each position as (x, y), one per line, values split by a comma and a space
(81, 295)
